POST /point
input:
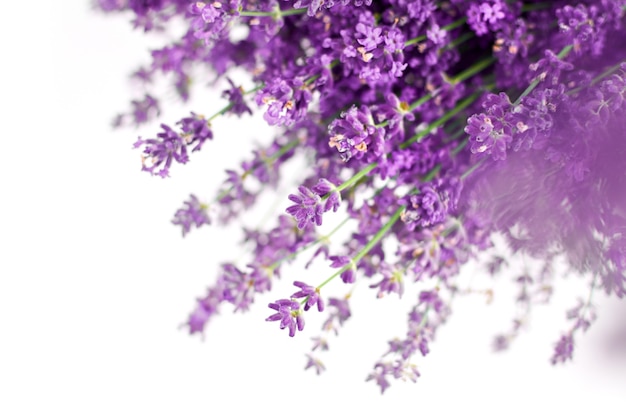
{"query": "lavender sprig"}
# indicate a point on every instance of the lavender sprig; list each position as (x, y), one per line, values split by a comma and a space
(433, 127)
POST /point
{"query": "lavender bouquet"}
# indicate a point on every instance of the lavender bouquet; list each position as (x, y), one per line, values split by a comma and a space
(434, 128)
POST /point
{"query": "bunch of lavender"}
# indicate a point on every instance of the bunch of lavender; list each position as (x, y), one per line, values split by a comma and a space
(434, 126)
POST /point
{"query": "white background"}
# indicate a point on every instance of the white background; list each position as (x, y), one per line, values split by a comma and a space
(95, 282)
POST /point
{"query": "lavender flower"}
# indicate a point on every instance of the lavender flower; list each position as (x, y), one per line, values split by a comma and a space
(287, 101)
(311, 204)
(235, 97)
(169, 145)
(355, 135)
(315, 364)
(392, 281)
(211, 19)
(194, 213)
(311, 295)
(339, 314)
(437, 126)
(205, 309)
(289, 314)
(143, 110)
(563, 349)
(349, 274)
(431, 205)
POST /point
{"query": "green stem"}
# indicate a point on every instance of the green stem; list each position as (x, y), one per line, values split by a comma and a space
(460, 40)
(356, 177)
(459, 147)
(474, 69)
(461, 106)
(420, 101)
(383, 230)
(318, 240)
(472, 169)
(373, 242)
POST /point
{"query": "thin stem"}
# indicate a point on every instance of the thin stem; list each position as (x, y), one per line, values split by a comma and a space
(420, 101)
(461, 106)
(474, 69)
(373, 242)
(460, 40)
(356, 177)
(307, 246)
(472, 169)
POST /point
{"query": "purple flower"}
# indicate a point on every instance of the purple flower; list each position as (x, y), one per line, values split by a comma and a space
(379, 375)
(142, 7)
(487, 138)
(392, 281)
(160, 152)
(349, 274)
(311, 294)
(194, 213)
(319, 343)
(355, 135)
(240, 287)
(586, 27)
(339, 313)
(563, 349)
(205, 309)
(211, 20)
(289, 314)
(368, 36)
(392, 103)
(330, 196)
(489, 15)
(396, 370)
(169, 145)
(308, 207)
(111, 5)
(287, 101)
(311, 204)
(199, 317)
(143, 111)
(394, 112)
(431, 205)
(235, 97)
(550, 67)
(315, 364)
(195, 130)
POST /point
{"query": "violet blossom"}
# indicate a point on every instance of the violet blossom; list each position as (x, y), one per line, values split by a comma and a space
(438, 127)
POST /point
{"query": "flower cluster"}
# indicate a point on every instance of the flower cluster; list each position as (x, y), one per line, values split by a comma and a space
(170, 145)
(310, 205)
(434, 127)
